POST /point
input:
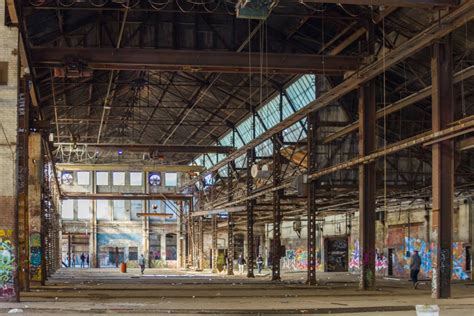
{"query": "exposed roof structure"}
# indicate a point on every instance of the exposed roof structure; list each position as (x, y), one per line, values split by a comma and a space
(101, 72)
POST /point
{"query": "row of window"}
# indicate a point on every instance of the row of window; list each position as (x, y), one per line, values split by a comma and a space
(296, 96)
(119, 210)
(118, 178)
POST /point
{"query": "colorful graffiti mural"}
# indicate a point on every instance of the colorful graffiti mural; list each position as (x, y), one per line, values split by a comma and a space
(7, 264)
(459, 262)
(401, 259)
(297, 260)
(354, 256)
(381, 261)
(35, 256)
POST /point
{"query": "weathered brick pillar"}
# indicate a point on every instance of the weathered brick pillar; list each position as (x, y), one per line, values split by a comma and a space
(8, 139)
(36, 236)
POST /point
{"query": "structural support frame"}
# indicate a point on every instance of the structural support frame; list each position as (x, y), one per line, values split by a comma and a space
(442, 167)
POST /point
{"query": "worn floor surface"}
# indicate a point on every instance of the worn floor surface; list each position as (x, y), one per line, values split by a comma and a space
(99, 291)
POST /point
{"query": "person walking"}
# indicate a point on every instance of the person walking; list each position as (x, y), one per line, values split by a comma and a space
(259, 264)
(241, 263)
(141, 263)
(83, 260)
(415, 265)
(87, 260)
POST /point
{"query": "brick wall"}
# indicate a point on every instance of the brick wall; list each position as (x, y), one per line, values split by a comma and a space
(8, 128)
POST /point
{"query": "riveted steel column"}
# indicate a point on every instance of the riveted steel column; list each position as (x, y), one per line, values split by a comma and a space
(230, 225)
(250, 215)
(367, 186)
(311, 204)
(442, 167)
(214, 244)
(276, 244)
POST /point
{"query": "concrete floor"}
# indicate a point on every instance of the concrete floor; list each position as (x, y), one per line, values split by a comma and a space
(162, 291)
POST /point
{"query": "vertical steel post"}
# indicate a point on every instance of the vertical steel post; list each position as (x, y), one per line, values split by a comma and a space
(367, 186)
(276, 244)
(214, 244)
(250, 215)
(230, 225)
(442, 167)
(312, 138)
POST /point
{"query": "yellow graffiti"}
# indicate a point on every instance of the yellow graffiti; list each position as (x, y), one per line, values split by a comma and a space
(6, 232)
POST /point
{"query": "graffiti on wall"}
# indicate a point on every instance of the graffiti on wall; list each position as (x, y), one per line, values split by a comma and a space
(401, 259)
(459, 262)
(354, 256)
(297, 260)
(381, 261)
(7, 264)
(35, 256)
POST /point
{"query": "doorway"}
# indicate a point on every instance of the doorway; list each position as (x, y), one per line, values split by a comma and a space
(336, 254)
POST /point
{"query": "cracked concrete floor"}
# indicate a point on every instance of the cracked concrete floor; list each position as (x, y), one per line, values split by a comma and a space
(162, 291)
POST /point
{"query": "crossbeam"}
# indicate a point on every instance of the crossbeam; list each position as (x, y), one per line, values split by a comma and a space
(125, 196)
(127, 167)
(191, 61)
(446, 25)
(398, 3)
(155, 147)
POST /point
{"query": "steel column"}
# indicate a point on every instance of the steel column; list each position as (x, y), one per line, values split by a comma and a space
(230, 225)
(250, 215)
(312, 122)
(442, 167)
(22, 187)
(214, 244)
(276, 244)
(367, 185)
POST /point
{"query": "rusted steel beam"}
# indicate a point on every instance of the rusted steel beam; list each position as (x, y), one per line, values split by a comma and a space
(191, 61)
(367, 186)
(312, 139)
(163, 148)
(125, 196)
(442, 167)
(230, 225)
(276, 203)
(398, 3)
(400, 104)
(451, 21)
(250, 215)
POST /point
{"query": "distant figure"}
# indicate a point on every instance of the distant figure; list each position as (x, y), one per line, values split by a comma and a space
(415, 265)
(87, 260)
(241, 263)
(259, 264)
(141, 263)
(83, 260)
(73, 260)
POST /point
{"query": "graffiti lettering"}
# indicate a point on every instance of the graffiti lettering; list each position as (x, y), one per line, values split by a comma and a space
(35, 256)
(7, 265)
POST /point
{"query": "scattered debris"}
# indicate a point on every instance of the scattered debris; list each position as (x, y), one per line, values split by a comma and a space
(15, 311)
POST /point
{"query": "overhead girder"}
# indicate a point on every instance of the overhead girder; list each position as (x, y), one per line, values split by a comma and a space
(191, 61)
(446, 25)
(398, 3)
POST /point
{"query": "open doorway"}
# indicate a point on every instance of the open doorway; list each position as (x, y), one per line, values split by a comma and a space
(336, 254)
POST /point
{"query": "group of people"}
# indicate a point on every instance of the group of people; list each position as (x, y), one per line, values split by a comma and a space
(241, 263)
(83, 260)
